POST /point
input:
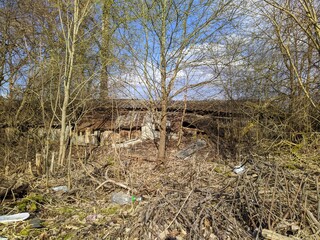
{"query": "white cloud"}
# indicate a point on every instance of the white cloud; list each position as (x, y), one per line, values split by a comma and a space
(202, 63)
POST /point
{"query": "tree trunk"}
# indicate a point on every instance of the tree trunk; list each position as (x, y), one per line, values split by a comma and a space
(62, 142)
(105, 51)
(163, 131)
(164, 93)
(70, 42)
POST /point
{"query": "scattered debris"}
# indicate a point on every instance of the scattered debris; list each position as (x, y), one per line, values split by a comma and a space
(14, 218)
(127, 143)
(123, 198)
(195, 199)
(239, 169)
(60, 188)
(93, 218)
(14, 188)
(36, 223)
(191, 149)
(271, 235)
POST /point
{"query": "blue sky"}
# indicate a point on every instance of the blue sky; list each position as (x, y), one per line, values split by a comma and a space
(143, 75)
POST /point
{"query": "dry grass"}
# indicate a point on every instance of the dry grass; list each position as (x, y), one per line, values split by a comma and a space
(196, 198)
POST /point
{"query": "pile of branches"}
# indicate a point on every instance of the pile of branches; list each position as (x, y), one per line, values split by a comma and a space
(197, 200)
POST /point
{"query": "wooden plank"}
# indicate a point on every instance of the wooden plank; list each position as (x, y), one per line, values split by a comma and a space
(271, 235)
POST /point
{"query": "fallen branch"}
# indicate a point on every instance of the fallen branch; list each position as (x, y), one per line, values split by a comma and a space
(271, 235)
(107, 181)
(115, 183)
(184, 203)
(313, 219)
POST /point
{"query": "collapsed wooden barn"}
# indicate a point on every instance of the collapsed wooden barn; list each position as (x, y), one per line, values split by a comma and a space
(129, 120)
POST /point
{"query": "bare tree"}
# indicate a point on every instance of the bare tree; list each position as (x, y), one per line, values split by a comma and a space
(297, 29)
(106, 47)
(71, 15)
(168, 33)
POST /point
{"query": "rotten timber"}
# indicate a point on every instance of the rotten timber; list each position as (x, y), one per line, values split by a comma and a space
(124, 120)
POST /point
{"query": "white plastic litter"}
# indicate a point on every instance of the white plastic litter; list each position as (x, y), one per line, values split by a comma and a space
(123, 198)
(60, 188)
(14, 217)
(238, 169)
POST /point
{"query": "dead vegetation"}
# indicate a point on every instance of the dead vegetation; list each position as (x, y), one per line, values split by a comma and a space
(199, 197)
(196, 198)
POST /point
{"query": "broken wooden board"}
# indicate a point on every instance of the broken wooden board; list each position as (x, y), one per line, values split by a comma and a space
(191, 149)
(271, 235)
(13, 189)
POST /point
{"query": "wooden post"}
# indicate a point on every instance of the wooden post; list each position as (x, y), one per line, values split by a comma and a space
(38, 163)
(30, 169)
(52, 162)
(6, 171)
(87, 136)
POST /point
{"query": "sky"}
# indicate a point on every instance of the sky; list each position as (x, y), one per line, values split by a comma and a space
(204, 57)
(204, 63)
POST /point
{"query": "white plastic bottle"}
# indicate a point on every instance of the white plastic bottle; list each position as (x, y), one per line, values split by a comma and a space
(123, 198)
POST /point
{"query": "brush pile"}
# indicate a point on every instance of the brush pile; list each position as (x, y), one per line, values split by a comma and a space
(196, 198)
(200, 199)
